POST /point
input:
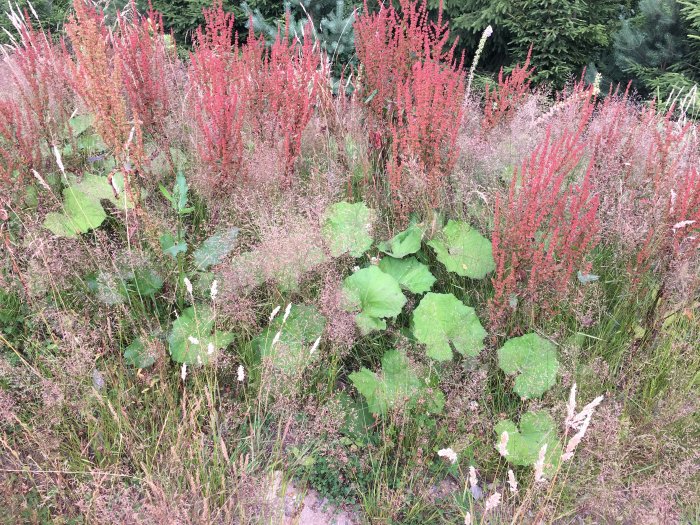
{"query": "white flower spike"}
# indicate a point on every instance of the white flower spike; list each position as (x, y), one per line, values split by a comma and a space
(502, 446)
(539, 465)
(286, 313)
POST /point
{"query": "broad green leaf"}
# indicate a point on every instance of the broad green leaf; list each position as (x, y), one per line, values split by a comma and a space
(191, 336)
(81, 123)
(397, 386)
(31, 197)
(534, 359)
(524, 444)
(94, 186)
(464, 251)
(411, 274)
(90, 142)
(109, 289)
(358, 420)
(346, 228)
(170, 247)
(441, 321)
(146, 281)
(180, 193)
(59, 224)
(404, 243)
(98, 188)
(292, 351)
(83, 212)
(375, 294)
(139, 355)
(215, 248)
(368, 324)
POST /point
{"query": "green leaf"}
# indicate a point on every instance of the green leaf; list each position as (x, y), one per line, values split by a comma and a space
(90, 142)
(147, 282)
(368, 324)
(358, 420)
(523, 447)
(411, 274)
(215, 248)
(346, 228)
(292, 351)
(59, 224)
(180, 193)
(170, 247)
(98, 188)
(404, 243)
(108, 289)
(166, 194)
(81, 123)
(191, 334)
(441, 320)
(31, 197)
(83, 212)
(375, 294)
(534, 359)
(464, 251)
(397, 386)
(138, 355)
(82, 206)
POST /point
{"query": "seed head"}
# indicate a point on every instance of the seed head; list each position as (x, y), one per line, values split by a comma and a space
(448, 453)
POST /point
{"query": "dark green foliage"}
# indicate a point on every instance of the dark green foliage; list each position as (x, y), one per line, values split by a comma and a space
(52, 14)
(332, 24)
(183, 17)
(12, 312)
(339, 481)
(654, 49)
(566, 35)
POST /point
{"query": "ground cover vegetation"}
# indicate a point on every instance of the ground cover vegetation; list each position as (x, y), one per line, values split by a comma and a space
(237, 269)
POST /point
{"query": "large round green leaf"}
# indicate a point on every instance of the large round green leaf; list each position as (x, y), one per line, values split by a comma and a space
(82, 209)
(213, 250)
(411, 274)
(292, 350)
(191, 339)
(441, 320)
(346, 228)
(84, 212)
(98, 188)
(404, 243)
(534, 359)
(397, 385)
(464, 251)
(523, 446)
(138, 354)
(375, 294)
(61, 225)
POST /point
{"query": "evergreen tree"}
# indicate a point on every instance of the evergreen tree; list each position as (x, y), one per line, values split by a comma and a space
(654, 50)
(183, 17)
(566, 35)
(51, 13)
(332, 22)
